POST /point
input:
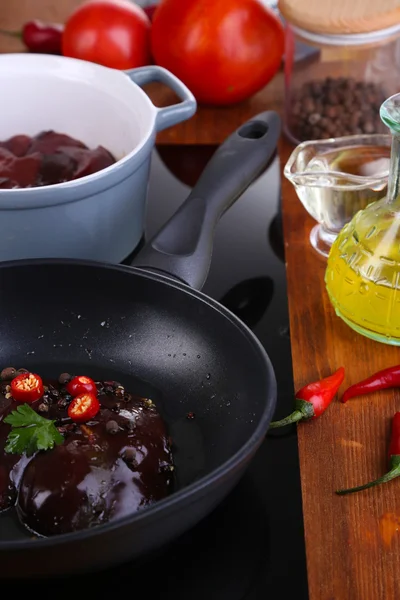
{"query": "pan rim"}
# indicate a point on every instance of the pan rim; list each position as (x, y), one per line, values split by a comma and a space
(176, 498)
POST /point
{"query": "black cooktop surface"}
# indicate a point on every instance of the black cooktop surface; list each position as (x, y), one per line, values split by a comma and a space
(251, 547)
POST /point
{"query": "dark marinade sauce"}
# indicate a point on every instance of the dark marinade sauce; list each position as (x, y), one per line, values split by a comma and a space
(107, 468)
(48, 158)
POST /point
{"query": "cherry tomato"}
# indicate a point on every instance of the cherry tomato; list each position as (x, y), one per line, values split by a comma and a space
(223, 50)
(83, 408)
(114, 33)
(81, 385)
(27, 387)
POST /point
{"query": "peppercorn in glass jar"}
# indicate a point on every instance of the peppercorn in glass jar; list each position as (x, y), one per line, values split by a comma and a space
(339, 89)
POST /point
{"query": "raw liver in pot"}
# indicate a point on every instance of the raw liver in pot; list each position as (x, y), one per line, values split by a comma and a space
(18, 172)
(18, 145)
(49, 142)
(47, 159)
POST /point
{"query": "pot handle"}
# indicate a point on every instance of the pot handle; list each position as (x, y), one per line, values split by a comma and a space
(183, 247)
(170, 115)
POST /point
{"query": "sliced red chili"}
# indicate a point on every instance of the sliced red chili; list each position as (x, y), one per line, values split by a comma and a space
(81, 385)
(27, 387)
(83, 408)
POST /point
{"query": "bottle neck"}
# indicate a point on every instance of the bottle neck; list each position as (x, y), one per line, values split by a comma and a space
(394, 173)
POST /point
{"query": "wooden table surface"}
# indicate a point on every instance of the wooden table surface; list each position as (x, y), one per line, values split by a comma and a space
(352, 543)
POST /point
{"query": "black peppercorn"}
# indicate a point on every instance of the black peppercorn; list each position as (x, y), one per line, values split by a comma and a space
(335, 107)
(129, 455)
(8, 374)
(64, 378)
(53, 391)
(112, 427)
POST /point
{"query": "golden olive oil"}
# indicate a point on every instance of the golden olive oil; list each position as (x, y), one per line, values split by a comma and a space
(363, 273)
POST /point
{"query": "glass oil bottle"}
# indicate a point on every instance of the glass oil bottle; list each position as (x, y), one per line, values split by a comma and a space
(363, 271)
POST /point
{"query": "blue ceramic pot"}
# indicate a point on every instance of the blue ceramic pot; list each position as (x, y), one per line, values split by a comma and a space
(100, 216)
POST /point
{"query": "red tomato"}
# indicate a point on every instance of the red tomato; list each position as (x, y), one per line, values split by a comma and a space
(81, 385)
(83, 408)
(224, 50)
(114, 33)
(149, 10)
(27, 387)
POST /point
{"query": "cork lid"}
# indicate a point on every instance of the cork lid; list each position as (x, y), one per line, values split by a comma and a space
(341, 16)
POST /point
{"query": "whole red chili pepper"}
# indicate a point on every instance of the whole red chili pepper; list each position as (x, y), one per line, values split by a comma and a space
(42, 37)
(382, 380)
(394, 461)
(39, 37)
(27, 387)
(313, 399)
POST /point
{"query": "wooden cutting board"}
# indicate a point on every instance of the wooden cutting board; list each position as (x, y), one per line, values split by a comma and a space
(352, 542)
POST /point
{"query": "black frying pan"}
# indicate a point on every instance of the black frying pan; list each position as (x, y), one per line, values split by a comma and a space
(162, 340)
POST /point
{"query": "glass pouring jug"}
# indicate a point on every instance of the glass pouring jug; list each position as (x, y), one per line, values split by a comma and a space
(336, 178)
(363, 272)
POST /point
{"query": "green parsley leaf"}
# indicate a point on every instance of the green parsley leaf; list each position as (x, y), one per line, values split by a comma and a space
(30, 432)
(48, 436)
(21, 440)
(24, 416)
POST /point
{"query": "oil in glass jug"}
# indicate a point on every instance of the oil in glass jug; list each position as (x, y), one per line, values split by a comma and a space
(363, 272)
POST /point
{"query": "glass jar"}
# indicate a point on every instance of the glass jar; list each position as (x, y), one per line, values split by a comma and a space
(339, 88)
(363, 272)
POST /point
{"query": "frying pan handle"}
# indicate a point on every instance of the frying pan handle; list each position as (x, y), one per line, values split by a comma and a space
(183, 247)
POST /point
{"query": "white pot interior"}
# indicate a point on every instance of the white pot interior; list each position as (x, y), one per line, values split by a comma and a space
(96, 105)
